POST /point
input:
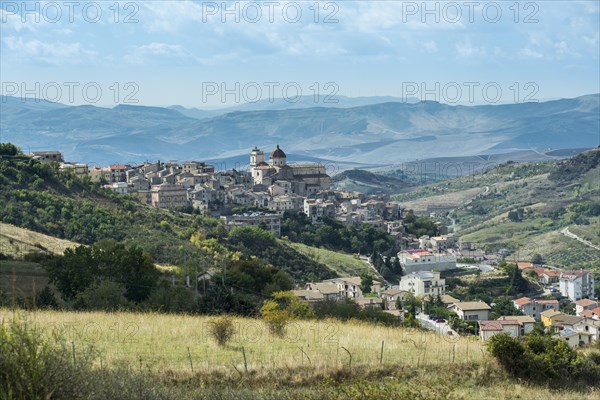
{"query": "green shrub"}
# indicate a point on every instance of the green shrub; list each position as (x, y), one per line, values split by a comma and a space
(544, 360)
(36, 367)
(104, 295)
(221, 329)
(172, 299)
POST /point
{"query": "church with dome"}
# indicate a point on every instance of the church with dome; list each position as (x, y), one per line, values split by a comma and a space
(300, 179)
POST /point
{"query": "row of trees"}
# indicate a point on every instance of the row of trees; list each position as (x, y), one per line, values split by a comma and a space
(334, 235)
(389, 267)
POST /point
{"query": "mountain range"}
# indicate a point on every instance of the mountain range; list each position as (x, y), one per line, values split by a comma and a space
(370, 134)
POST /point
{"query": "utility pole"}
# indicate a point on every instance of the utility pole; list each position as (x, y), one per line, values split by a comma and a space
(185, 270)
(197, 278)
(224, 271)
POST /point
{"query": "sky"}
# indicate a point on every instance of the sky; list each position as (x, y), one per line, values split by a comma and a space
(216, 54)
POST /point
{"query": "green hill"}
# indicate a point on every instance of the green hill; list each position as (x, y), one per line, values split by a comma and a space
(524, 207)
(368, 182)
(36, 197)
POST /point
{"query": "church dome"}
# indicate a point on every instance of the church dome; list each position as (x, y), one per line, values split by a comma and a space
(278, 153)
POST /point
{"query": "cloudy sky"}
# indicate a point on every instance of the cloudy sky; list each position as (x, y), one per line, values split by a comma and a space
(210, 54)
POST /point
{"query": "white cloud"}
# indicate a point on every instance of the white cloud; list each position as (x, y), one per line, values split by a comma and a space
(466, 49)
(527, 52)
(430, 46)
(55, 53)
(142, 54)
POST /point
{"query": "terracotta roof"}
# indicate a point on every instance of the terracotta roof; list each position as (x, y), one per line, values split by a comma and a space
(566, 319)
(585, 302)
(472, 305)
(325, 287)
(522, 301)
(521, 319)
(571, 275)
(309, 294)
(596, 311)
(447, 299)
(524, 265)
(118, 166)
(587, 314)
(553, 301)
(551, 313)
(496, 325)
(552, 272)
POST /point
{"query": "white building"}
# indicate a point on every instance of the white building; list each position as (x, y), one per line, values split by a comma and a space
(424, 260)
(575, 338)
(535, 307)
(487, 329)
(425, 283)
(271, 221)
(347, 287)
(584, 305)
(316, 209)
(471, 310)
(577, 285)
(118, 187)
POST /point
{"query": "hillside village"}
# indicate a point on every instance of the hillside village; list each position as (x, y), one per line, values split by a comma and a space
(271, 187)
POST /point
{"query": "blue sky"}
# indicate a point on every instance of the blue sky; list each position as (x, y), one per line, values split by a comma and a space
(178, 52)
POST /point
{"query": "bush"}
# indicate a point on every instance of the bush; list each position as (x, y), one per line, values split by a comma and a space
(104, 295)
(221, 329)
(176, 299)
(281, 308)
(35, 367)
(45, 298)
(544, 360)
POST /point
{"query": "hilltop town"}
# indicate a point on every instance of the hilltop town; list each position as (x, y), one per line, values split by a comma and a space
(416, 287)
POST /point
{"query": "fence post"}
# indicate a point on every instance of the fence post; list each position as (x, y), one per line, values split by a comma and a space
(245, 363)
(381, 355)
(350, 354)
(73, 346)
(190, 357)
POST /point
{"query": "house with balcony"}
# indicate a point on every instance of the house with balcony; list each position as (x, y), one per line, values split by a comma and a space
(425, 283)
(577, 285)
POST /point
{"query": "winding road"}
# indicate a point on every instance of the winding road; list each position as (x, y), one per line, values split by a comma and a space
(565, 231)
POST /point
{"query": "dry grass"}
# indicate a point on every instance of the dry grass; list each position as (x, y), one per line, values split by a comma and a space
(162, 340)
(310, 363)
(16, 241)
(442, 201)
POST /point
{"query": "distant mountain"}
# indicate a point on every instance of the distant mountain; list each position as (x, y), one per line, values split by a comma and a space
(294, 104)
(375, 135)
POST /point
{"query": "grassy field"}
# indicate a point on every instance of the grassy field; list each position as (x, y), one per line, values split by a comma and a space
(311, 362)
(340, 263)
(162, 342)
(17, 242)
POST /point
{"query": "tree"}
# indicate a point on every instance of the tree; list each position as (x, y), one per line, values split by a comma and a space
(517, 284)
(281, 308)
(45, 298)
(537, 259)
(84, 266)
(396, 266)
(104, 295)
(9, 149)
(504, 307)
(366, 281)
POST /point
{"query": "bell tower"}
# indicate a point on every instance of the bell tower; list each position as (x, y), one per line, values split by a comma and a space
(256, 157)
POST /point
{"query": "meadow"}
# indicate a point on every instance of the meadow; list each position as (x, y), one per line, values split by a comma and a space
(315, 359)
